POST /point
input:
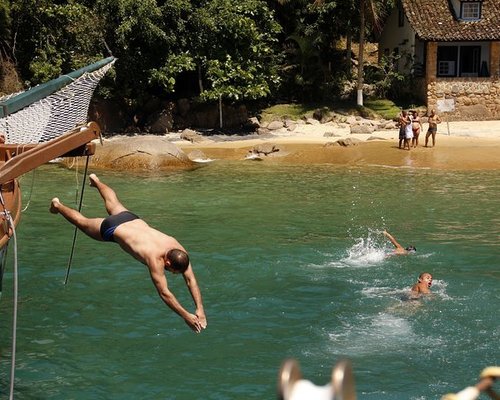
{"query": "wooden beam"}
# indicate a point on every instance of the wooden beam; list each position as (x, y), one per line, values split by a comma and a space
(28, 160)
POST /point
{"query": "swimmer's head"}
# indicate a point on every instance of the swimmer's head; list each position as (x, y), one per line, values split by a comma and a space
(176, 261)
(411, 249)
(425, 277)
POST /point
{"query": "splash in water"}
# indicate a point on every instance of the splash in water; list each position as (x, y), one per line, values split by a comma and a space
(366, 252)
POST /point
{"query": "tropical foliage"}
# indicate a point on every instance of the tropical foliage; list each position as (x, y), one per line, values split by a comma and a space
(209, 50)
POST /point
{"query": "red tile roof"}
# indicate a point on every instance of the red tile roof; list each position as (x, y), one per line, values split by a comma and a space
(435, 20)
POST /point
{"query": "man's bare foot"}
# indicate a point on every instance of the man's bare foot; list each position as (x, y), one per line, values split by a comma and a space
(93, 180)
(53, 205)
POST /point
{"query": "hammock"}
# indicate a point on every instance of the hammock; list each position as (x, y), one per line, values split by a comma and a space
(53, 108)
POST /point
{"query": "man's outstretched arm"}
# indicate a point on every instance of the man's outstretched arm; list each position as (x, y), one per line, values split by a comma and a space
(393, 241)
(194, 289)
(160, 282)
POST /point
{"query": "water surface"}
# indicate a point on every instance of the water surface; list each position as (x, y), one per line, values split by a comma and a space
(291, 263)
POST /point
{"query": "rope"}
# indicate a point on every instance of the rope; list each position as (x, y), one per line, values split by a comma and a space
(76, 229)
(10, 222)
(14, 311)
(31, 190)
(74, 162)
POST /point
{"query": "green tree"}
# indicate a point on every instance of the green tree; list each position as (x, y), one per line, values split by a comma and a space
(5, 22)
(149, 39)
(373, 11)
(52, 38)
(237, 49)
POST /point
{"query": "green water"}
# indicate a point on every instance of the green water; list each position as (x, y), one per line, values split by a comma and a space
(291, 263)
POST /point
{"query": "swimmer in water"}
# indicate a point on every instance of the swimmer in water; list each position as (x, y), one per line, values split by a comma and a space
(423, 285)
(398, 248)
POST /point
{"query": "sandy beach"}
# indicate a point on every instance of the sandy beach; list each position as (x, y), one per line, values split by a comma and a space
(470, 145)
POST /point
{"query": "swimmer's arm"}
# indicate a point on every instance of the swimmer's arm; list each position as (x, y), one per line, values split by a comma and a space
(160, 282)
(393, 241)
(194, 289)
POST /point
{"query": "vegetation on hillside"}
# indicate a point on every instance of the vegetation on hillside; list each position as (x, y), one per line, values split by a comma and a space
(249, 51)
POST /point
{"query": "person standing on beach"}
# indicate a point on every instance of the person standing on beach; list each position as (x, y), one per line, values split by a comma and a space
(433, 121)
(159, 252)
(408, 132)
(416, 126)
(403, 122)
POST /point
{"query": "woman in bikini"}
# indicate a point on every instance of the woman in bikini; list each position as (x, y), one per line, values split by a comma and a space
(416, 126)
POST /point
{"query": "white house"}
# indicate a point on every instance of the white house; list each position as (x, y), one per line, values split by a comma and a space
(452, 47)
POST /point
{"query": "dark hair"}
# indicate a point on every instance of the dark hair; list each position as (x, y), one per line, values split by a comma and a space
(411, 248)
(179, 260)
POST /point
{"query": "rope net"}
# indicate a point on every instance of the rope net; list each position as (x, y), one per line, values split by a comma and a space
(55, 114)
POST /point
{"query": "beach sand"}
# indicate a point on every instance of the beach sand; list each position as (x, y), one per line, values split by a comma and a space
(471, 145)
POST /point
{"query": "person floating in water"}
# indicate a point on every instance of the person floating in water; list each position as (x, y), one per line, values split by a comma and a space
(423, 285)
(398, 248)
(158, 251)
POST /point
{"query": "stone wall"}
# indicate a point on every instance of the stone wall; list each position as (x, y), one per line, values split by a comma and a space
(473, 98)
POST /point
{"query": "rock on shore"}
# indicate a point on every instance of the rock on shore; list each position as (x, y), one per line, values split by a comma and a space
(147, 152)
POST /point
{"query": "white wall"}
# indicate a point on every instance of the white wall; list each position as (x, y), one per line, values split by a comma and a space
(396, 37)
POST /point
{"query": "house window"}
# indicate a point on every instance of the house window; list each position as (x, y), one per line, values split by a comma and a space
(470, 10)
(470, 60)
(458, 61)
(447, 61)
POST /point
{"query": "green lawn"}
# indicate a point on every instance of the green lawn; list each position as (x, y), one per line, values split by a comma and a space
(372, 109)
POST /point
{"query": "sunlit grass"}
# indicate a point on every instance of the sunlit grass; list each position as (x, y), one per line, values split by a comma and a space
(284, 111)
(372, 109)
(385, 108)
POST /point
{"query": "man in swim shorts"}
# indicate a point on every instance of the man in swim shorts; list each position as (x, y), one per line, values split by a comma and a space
(158, 251)
(400, 250)
(423, 284)
(432, 130)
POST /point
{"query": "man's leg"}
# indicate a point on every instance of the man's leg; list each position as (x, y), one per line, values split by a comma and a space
(90, 226)
(113, 205)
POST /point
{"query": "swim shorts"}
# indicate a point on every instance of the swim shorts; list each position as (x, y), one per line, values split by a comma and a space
(402, 132)
(112, 222)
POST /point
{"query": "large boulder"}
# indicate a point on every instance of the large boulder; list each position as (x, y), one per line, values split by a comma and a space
(139, 153)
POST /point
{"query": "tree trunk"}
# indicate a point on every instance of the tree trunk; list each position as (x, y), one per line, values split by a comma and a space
(348, 49)
(361, 52)
(200, 81)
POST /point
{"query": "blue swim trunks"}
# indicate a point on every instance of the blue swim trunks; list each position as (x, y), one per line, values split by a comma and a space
(112, 222)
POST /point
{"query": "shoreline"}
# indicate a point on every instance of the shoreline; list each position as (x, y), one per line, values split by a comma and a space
(472, 145)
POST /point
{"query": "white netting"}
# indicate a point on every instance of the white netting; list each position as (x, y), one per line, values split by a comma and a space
(55, 114)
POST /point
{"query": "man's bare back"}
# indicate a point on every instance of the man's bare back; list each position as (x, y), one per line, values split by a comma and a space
(144, 243)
